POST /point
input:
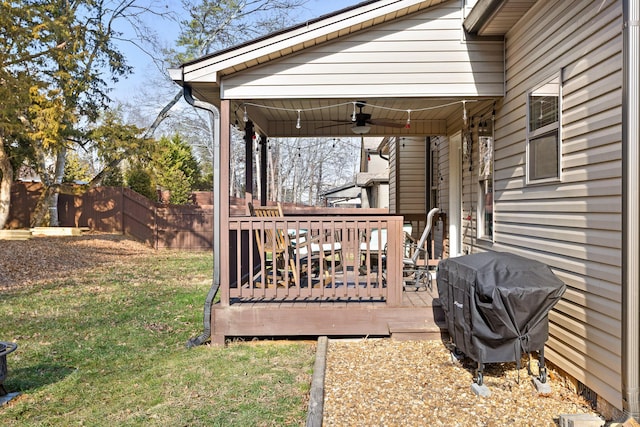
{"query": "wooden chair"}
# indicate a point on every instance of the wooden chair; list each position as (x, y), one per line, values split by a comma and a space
(285, 252)
(274, 247)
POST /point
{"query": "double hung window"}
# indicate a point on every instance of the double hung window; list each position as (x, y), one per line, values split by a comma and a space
(543, 132)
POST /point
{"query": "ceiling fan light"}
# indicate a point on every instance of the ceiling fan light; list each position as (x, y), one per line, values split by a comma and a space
(360, 130)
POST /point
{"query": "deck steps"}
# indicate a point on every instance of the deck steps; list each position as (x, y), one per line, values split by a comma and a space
(427, 330)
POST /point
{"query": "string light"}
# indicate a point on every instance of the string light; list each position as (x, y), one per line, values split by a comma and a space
(354, 104)
(313, 142)
(354, 114)
(464, 112)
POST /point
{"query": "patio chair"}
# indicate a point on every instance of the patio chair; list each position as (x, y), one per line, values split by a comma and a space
(274, 248)
(417, 276)
(281, 252)
(377, 244)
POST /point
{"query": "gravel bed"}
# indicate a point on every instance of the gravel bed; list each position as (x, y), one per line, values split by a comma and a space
(380, 382)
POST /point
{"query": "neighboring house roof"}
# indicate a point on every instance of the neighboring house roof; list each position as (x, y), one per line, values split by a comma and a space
(366, 179)
(27, 173)
(371, 144)
(347, 190)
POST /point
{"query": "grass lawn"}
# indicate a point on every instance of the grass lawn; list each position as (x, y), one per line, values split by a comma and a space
(106, 346)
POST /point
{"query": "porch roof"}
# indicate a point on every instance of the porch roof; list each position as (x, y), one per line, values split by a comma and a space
(408, 60)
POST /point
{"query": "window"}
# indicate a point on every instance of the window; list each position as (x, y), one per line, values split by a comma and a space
(543, 136)
(485, 183)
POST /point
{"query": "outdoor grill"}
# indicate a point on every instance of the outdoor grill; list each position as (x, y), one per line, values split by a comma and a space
(5, 348)
(496, 306)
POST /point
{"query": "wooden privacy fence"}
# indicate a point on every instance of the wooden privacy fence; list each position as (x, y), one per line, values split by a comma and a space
(121, 210)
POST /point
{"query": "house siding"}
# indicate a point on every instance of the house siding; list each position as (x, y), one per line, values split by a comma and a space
(573, 225)
(411, 177)
(423, 54)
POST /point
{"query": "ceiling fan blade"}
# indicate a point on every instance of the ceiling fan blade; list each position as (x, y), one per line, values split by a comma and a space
(386, 124)
(340, 123)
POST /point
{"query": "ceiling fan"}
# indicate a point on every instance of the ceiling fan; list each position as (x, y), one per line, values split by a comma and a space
(362, 122)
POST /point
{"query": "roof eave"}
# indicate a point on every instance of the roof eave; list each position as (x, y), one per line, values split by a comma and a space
(495, 17)
(481, 14)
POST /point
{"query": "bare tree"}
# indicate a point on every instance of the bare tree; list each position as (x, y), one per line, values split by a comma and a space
(217, 24)
(302, 169)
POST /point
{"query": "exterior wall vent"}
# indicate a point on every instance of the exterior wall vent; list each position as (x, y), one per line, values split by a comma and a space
(589, 395)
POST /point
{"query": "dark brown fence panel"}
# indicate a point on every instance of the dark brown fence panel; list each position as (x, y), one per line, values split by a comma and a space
(121, 210)
(24, 197)
(139, 217)
(184, 227)
(202, 198)
(99, 208)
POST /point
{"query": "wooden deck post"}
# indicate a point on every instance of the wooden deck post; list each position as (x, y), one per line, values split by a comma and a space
(394, 262)
(225, 142)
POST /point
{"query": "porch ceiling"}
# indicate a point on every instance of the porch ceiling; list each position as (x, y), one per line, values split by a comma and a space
(332, 117)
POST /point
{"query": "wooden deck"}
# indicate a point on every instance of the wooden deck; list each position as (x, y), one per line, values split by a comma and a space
(328, 274)
(418, 317)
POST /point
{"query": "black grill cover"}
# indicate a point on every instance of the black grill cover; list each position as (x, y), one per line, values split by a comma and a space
(496, 304)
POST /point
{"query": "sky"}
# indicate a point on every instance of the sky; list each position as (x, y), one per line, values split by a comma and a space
(142, 68)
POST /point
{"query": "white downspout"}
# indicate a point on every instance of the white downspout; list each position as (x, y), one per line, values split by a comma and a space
(631, 209)
(215, 285)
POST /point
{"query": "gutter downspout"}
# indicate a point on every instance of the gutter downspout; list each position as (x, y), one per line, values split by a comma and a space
(631, 209)
(215, 285)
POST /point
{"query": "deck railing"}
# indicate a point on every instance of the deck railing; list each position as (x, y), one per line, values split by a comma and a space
(316, 258)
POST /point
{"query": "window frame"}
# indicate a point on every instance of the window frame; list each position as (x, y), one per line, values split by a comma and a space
(485, 180)
(544, 131)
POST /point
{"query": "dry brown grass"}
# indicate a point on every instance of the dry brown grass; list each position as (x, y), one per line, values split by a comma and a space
(23, 262)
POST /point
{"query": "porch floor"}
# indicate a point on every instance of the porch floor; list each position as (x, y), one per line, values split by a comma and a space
(419, 316)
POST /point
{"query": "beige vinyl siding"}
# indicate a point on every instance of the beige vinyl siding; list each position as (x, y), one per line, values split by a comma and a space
(442, 152)
(573, 225)
(420, 55)
(302, 37)
(411, 176)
